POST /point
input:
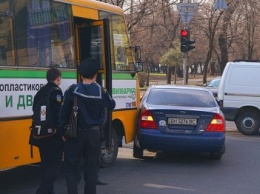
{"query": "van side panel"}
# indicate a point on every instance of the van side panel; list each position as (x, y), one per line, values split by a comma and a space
(243, 80)
(239, 87)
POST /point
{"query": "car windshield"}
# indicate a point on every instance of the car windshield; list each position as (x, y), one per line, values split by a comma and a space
(181, 97)
(214, 83)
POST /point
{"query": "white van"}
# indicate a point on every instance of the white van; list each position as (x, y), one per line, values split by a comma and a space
(239, 95)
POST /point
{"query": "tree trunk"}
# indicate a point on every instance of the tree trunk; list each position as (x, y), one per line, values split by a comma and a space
(169, 74)
(175, 74)
(222, 41)
(148, 74)
(205, 71)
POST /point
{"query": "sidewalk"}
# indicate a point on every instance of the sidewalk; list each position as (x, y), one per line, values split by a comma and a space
(231, 127)
(198, 81)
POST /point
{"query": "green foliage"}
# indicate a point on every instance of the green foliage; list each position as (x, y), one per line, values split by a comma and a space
(173, 57)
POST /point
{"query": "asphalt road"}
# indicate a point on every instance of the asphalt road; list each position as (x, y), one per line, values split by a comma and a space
(237, 172)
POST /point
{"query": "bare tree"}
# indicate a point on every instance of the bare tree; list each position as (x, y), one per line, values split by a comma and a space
(154, 30)
(220, 35)
(119, 3)
(206, 22)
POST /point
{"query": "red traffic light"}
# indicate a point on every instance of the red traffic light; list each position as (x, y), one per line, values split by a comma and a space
(184, 33)
(186, 43)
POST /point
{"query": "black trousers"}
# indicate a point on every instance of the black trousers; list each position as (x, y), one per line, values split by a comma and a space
(87, 147)
(51, 159)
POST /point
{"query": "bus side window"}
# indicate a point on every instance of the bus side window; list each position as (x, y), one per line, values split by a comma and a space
(46, 36)
(6, 40)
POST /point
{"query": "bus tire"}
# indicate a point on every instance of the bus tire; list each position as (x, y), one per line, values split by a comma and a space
(108, 155)
(248, 123)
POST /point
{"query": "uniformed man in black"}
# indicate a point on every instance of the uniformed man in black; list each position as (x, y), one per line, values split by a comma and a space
(91, 100)
(51, 148)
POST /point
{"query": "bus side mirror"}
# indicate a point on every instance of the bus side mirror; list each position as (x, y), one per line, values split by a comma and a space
(139, 66)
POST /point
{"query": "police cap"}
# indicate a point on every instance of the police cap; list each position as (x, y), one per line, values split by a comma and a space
(89, 67)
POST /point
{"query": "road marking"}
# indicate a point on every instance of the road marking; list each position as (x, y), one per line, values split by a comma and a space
(166, 187)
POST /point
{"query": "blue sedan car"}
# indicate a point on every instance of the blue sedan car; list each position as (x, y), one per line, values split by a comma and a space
(180, 118)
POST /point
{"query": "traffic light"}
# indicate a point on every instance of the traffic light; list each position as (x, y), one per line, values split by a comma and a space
(186, 43)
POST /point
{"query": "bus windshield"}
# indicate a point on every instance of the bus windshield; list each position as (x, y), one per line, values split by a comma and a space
(122, 58)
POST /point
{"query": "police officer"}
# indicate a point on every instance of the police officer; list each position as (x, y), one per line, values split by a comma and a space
(51, 148)
(91, 100)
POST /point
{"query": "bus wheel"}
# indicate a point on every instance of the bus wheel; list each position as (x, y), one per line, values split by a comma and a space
(248, 123)
(109, 155)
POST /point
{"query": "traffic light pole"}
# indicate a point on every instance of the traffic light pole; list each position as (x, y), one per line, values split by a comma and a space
(186, 12)
(184, 57)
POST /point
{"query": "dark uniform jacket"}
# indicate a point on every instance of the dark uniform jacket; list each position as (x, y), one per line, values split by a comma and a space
(56, 99)
(91, 101)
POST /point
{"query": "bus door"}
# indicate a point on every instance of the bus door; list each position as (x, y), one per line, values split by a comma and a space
(93, 40)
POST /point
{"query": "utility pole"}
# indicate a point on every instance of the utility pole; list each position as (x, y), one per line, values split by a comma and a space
(186, 12)
(184, 61)
(184, 49)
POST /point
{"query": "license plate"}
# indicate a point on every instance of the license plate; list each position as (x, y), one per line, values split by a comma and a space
(182, 121)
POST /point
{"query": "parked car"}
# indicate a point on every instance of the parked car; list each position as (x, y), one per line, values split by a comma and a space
(213, 85)
(180, 118)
